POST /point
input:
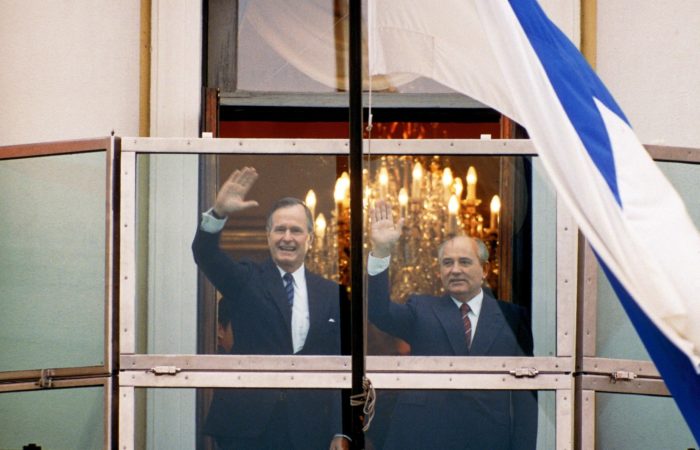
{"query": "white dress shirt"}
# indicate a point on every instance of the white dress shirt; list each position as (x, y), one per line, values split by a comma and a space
(300, 308)
(474, 309)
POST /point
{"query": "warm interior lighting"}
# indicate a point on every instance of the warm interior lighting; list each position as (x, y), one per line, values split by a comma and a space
(383, 177)
(311, 201)
(403, 197)
(383, 181)
(320, 227)
(427, 195)
(495, 213)
(459, 187)
(447, 178)
(495, 204)
(417, 179)
(471, 184)
(453, 205)
(342, 187)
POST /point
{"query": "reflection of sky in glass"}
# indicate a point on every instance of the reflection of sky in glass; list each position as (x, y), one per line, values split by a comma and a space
(69, 418)
(52, 236)
(655, 423)
(616, 336)
(685, 178)
(544, 262)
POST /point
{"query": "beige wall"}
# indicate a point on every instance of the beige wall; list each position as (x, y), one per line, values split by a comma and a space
(70, 69)
(648, 57)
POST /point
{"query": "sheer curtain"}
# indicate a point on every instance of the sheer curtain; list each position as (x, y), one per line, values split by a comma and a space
(310, 36)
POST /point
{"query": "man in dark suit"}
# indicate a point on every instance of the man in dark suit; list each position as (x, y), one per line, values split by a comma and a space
(277, 308)
(442, 326)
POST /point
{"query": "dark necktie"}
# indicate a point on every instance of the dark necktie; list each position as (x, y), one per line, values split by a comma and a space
(289, 287)
(464, 309)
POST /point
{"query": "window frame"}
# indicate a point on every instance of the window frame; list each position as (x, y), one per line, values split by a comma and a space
(385, 372)
(76, 377)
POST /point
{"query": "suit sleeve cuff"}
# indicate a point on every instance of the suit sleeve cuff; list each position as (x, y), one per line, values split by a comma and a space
(211, 224)
(376, 265)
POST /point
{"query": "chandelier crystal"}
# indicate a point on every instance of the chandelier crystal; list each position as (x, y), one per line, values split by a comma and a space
(428, 194)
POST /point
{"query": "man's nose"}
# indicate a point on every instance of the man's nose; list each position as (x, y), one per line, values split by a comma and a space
(287, 235)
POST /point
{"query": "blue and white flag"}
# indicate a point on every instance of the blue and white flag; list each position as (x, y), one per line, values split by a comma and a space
(510, 56)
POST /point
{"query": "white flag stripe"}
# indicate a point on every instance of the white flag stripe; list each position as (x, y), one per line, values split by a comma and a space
(647, 267)
(658, 265)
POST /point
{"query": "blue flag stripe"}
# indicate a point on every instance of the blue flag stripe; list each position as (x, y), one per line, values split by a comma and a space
(673, 365)
(575, 84)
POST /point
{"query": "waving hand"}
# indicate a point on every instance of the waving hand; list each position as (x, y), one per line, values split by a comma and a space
(384, 232)
(231, 196)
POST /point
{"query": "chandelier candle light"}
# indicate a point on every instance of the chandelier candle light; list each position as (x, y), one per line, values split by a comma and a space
(433, 209)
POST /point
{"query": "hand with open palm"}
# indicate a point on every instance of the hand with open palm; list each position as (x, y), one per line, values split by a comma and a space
(231, 196)
(384, 232)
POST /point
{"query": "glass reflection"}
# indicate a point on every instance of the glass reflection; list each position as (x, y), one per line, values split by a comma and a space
(656, 423)
(616, 336)
(465, 321)
(396, 408)
(53, 419)
(512, 260)
(270, 307)
(165, 418)
(52, 276)
(168, 421)
(522, 258)
(278, 291)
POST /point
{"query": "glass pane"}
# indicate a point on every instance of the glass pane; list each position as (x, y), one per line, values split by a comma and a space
(544, 262)
(654, 423)
(53, 419)
(250, 418)
(616, 336)
(168, 217)
(686, 179)
(503, 201)
(52, 272)
(244, 262)
(165, 418)
(436, 419)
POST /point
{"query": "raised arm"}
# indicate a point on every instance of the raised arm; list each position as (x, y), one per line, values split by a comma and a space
(231, 196)
(384, 232)
(225, 273)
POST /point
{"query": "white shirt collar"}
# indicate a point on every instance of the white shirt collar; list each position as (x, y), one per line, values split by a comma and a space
(298, 275)
(474, 303)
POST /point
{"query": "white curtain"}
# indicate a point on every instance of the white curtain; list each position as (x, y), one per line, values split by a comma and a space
(312, 36)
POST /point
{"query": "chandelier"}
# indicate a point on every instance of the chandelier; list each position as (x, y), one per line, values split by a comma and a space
(431, 198)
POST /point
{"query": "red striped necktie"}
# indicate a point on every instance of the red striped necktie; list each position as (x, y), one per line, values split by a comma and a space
(464, 309)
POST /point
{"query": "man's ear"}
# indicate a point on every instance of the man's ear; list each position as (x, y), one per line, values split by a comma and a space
(485, 268)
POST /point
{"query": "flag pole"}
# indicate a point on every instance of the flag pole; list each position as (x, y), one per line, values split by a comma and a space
(356, 275)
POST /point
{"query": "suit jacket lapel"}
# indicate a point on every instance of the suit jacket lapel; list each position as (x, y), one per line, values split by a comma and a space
(491, 322)
(316, 304)
(448, 315)
(274, 290)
